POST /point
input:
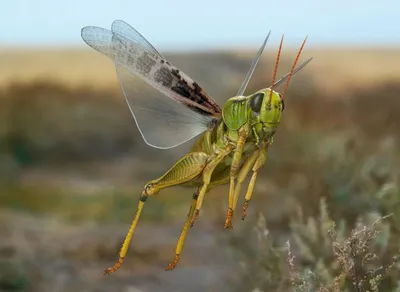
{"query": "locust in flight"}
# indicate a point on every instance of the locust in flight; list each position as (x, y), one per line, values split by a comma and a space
(174, 109)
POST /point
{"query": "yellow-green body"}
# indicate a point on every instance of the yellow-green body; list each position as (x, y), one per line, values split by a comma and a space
(225, 153)
(237, 137)
(237, 114)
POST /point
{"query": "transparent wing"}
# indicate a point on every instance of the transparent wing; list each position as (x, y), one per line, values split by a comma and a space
(163, 122)
(297, 69)
(152, 68)
(125, 30)
(252, 67)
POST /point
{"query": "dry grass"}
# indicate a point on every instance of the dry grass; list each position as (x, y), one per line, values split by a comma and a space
(71, 67)
(332, 68)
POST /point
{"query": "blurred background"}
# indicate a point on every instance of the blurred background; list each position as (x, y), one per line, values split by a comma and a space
(73, 164)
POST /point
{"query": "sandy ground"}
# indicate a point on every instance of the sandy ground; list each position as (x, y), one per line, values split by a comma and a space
(73, 260)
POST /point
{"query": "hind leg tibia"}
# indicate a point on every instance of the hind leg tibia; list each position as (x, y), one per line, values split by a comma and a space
(185, 170)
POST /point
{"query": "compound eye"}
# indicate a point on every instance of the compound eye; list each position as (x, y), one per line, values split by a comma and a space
(256, 102)
(282, 102)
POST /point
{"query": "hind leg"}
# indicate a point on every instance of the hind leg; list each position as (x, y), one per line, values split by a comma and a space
(217, 179)
(185, 170)
(182, 237)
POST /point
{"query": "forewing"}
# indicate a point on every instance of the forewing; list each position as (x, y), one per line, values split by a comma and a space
(252, 67)
(163, 122)
(152, 68)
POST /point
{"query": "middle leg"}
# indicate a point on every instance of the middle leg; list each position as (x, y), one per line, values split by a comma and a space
(262, 157)
(237, 157)
(243, 172)
(207, 173)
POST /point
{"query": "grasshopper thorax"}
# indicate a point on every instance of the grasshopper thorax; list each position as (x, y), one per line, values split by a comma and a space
(261, 111)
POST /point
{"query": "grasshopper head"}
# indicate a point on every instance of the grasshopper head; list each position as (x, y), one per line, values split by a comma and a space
(267, 106)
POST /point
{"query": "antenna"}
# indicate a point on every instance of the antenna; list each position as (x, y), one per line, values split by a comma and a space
(301, 66)
(294, 65)
(276, 69)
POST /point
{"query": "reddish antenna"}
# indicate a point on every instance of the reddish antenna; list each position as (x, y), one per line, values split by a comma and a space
(294, 65)
(276, 69)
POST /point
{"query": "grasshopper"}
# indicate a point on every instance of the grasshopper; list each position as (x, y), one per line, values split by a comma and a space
(234, 140)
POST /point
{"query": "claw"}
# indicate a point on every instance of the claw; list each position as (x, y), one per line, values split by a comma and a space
(244, 208)
(115, 267)
(228, 221)
(172, 265)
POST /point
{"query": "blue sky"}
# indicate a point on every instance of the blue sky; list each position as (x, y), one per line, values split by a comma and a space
(206, 23)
